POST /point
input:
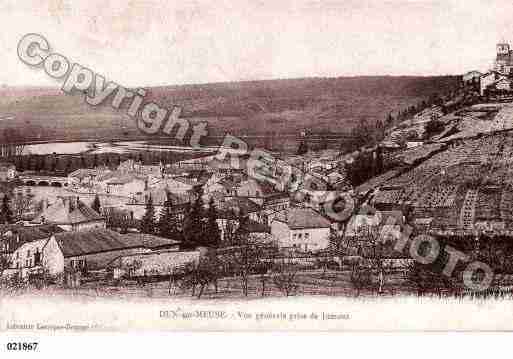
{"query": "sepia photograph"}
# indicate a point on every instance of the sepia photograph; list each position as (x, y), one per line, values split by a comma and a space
(268, 166)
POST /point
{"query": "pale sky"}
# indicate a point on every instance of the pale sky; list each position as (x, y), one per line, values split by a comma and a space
(143, 43)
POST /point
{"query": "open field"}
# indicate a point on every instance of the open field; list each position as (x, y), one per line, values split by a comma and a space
(308, 283)
(242, 108)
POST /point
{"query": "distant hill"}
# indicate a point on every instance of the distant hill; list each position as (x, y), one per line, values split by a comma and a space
(241, 108)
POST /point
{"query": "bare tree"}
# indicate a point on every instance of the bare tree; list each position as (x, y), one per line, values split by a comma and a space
(324, 263)
(337, 245)
(22, 203)
(230, 229)
(202, 274)
(284, 278)
(414, 275)
(245, 259)
(427, 279)
(263, 276)
(5, 263)
(131, 268)
(375, 245)
(360, 274)
(335, 250)
(215, 267)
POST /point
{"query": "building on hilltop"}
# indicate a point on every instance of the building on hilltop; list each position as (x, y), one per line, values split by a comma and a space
(493, 82)
(497, 80)
(471, 77)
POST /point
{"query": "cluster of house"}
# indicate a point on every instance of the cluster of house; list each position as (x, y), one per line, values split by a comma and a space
(230, 186)
(68, 234)
(494, 82)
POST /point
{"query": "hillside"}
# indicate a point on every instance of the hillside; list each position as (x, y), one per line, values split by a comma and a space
(242, 108)
(459, 182)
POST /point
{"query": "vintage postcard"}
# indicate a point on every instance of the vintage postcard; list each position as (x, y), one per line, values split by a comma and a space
(255, 166)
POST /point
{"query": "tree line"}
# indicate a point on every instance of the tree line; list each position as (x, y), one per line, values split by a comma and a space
(57, 164)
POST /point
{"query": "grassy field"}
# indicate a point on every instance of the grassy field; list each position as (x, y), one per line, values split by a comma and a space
(242, 108)
(309, 283)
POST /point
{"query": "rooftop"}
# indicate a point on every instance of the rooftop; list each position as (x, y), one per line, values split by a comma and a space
(303, 218)
(17, 235)
(68, 210)
(104, 240)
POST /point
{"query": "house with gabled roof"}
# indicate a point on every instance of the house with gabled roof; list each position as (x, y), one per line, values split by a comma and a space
(301, 229)
(23, 246)
(488, 79)
(83, 251)
(94, 250)
(70, 214)
(389, 224)
(126, 185)
(471, 76)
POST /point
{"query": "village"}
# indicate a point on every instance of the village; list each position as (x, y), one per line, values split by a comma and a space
(206, 226)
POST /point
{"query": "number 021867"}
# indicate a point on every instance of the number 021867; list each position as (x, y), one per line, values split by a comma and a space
(19, 346)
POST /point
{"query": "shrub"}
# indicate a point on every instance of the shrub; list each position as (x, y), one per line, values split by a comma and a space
(434, 127)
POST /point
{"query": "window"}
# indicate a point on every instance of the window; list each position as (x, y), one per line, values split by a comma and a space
(28, 252)
(307, 235)
(299, 236)
(37, 258)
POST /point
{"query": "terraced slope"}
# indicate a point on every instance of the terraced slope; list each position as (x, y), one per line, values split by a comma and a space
(465, 186)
